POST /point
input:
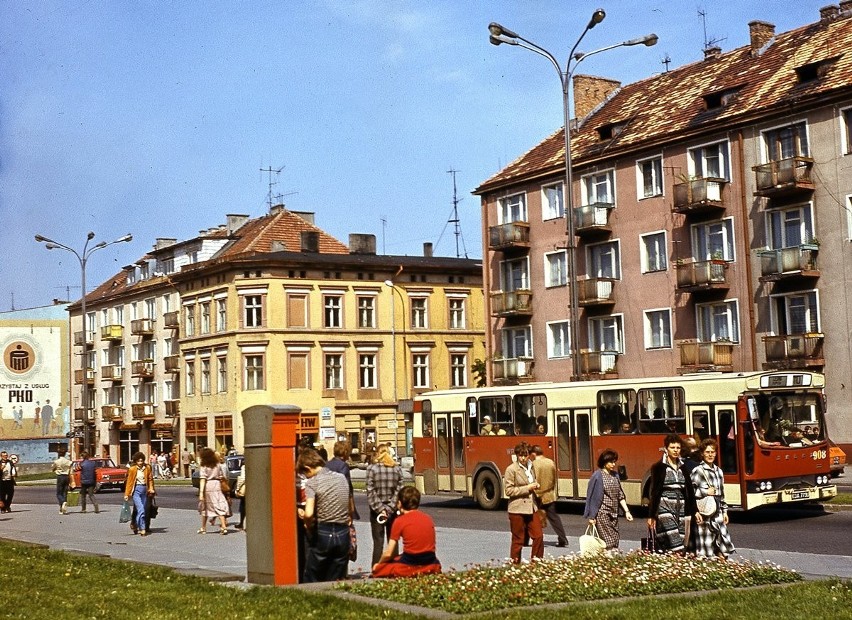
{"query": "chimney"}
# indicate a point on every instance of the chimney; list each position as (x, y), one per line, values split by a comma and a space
(828, 13)
(846, 7)
(427, 249)
(761, 33)
(712, 52)
(277, 246)
(308, 216)
(276, 209)
(590, 92)
(362, 244)
(235, 222)
(310, 241)
(162, 242)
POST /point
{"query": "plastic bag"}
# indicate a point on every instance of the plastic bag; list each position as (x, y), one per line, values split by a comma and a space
(126, 512)
(73, 498)
(590, 542)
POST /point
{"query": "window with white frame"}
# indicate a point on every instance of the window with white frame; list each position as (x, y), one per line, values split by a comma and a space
(189, 377)
(713, 240)
(558, 339)
(517, 342)
(795, 313)
(789, 227)
(658, 329)
(552, 204)
(710, 161)
(604, 260)
(366, 311)
(221, 373)
(458, 370)
(606, 334)
(333, 311)
(205, 375)
(420, 370)
(718, 321)
(650, 176)
(654, 255)
(419, 313)
(170, 390)
(598, 188)
(367, 371)
(458, 319)
(333, 371)
(134, 311)
(151, 308)
(786, 142)
(205, 317)
(118, 315)
(514, 275)
(221, 315)
(253, 371)
(512, 209)
(253, 310)
(555, 268)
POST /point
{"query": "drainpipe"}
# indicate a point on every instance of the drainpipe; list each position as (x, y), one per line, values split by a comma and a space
(749, 276)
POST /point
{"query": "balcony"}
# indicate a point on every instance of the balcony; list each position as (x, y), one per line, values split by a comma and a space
(142, 327)
(172, 363)
(797, 261)
(703, 195)
(112, 332)
(511, 370)
(142, 411)
(171, 320)
(702, 275)
(112, 413)
(784, 177)
(142, 368)
(82, 338)
(599, 364)
(83, 415)
(794, 351)
(511, 303)
(172, 408)
(509, 236)
(112, 372)
(698, 356)
(595, 292)
(592, 219)
(86, 375)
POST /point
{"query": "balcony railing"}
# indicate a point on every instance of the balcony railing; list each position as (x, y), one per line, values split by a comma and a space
(112, 413)
(702, 275)
(141, 411)
(82, 338)
(595, 291)
(592, 218)
(511, 369)
(790, 351)
(171, 320)
(699, 195)
(172, 408)
(112, 372)
(784, 177)
(112, 332)
(696, 356)
(142, 327)
(511, 303)
(86, 375)
(142, 368)
(172, 363)
(596, 363)
(507, 236)
(84, 415)
(800, 260)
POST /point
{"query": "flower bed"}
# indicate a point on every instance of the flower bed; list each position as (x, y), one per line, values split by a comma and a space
(568, 579)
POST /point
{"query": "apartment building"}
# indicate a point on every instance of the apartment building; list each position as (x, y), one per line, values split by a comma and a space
(711, 206)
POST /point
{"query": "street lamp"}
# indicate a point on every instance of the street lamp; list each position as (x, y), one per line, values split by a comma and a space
(498, 35)
(390, 284)
(83, 258)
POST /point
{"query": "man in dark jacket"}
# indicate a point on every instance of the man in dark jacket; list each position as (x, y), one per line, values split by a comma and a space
(88, 481)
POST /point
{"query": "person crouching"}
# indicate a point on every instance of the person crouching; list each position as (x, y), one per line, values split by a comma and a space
(417, 531)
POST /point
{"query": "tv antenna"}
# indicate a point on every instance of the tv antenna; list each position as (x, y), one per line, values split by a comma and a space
(272, 198)
(708, 43)
(454, 218)
(666, 61)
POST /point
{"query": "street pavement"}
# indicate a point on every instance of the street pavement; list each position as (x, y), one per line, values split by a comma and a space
(173, 542)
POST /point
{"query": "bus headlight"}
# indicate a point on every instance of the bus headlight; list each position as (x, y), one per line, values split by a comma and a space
(765, 486)
(822, 479)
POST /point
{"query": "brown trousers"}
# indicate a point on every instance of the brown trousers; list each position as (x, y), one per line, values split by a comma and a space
(523, 526)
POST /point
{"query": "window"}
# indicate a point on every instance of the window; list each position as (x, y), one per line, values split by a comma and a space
(555, 268)
(419, 315)
(189, 320)
(604, 260)
(205, 317)
(713, 240)
(598, 188)
(420, 370)
(658, 329)
(718, 321)
(221, 315)
(458, 370)
(151, 308)
(795, 313)
(221, 373)
(606, 334)
(789, 227)
(654, 256)
(366, 312)
(297, 371)
(709, 161)
(118, 315)
(661, 410)
(252, 310)
(846, 131)
(558, 339)
(552, 204)
(512, 209)
(457, 313)
(332, 315)
(190, 377)
(786, 142)
(367, 371)
(297, 310)
(334, 371)
(650, 172)
(517, 342)
(205, 375)
(253, 372)
(514, 275)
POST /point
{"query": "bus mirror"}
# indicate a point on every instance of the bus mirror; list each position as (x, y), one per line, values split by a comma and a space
(622, 472)
(752, 410)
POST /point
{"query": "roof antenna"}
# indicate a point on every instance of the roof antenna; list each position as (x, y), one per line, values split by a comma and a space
(270, 197)
(708, 43)
(666, 61)
(454, 219)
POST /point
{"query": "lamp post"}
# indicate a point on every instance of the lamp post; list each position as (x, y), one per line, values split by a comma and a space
(498, 35)
(82, 258)
(390, 284)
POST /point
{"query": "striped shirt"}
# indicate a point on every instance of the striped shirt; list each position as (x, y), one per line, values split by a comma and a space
(330, 491)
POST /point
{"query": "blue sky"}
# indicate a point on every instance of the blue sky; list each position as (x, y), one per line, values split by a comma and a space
(155, 118)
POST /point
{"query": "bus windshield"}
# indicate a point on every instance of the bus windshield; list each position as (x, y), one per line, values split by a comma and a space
(787, 418)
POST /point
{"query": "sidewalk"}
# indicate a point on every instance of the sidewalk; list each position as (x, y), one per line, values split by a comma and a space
(173, 542)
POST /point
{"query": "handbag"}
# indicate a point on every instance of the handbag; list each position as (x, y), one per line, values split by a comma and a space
(707, 505)
(590, 542)
(241, 489)
(126, 512)
(649, 542)
(226, 488)
(353, 543)
(73, 498)
(153, 509)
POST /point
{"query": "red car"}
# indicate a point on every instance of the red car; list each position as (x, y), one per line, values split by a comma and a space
(107, 475)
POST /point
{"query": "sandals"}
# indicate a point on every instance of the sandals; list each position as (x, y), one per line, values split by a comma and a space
(201, 531)
(223, 531)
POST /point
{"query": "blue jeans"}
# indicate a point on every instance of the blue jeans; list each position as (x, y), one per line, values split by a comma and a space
(328, 556)
(140, 494)
(62, 481)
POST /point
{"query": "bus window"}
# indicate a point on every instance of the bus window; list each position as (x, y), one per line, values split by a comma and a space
(530, 414)
(426, 415)
(662, 411)
(494, 416)
(584, 445)
(790, 418)
(700, 423)
(458, 443)
(616, 411)
(727, 441)
(443, 445)
(563, 443)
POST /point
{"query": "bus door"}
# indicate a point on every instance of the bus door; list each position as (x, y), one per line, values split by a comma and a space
(449, 461)
(564, 457)
(719, 422)
(582, 429)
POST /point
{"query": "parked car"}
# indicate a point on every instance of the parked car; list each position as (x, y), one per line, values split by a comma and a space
(837, 458)
(107, 475)
(234, 463)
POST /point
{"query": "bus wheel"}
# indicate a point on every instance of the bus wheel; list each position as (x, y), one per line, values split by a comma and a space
(487, 492)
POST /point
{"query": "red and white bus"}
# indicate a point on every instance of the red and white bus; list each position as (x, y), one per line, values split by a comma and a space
(770, 426)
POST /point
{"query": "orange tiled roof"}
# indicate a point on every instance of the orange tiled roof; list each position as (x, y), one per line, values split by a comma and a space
(672, 105)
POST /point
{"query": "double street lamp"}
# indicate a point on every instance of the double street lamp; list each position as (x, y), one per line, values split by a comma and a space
(390, 284)
(83, 258)
(499, 35)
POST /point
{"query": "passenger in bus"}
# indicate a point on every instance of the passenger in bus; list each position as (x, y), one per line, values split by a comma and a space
(604, 498)
(520, 485)
(540, 430)
(607, 429)
(487, 428)
(712, 537)
(760, 435)
(546, 476)
(626, 428)
(499, 430)
(671, 501)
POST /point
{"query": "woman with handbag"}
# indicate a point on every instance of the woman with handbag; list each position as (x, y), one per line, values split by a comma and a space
(212, 502)
(139, 486)
(604, 498)
(712, 538)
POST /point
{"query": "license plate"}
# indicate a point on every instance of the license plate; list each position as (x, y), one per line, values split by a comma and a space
(800, 495)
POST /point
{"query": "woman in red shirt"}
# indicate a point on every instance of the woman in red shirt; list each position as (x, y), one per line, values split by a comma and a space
(417, 532)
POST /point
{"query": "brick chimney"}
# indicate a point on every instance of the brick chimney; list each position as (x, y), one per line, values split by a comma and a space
(590, 92)
(761, 33)
(427, 249)
(235, 221)
(846, 7)
(714, 51)
(828, 13)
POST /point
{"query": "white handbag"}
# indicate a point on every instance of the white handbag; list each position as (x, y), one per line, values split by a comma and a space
(707, 505)
(590, 542)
